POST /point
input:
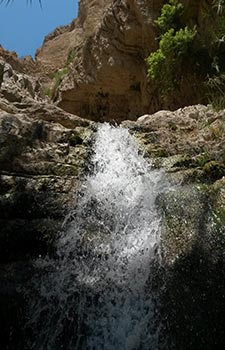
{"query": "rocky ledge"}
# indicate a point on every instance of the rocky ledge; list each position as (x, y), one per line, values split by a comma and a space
(43, 151)
(189, 145)
(102, 60)
(44, 154)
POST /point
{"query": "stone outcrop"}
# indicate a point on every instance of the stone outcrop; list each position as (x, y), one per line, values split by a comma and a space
(193, 131)
(189, 145)
(95, 67)
(43, 156)
(105, 50)
(22, 65)
(42, 153)
(64, 40)
(18, 87)
(107, 45)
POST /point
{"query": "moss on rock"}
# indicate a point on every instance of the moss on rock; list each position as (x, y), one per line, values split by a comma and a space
(213, 171)
(184, 211)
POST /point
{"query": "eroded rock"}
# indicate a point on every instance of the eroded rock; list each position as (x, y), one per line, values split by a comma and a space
(43, 154)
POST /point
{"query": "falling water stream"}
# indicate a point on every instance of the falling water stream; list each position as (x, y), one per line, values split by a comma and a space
(95, 294)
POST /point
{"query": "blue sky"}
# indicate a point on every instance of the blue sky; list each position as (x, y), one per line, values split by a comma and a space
(24, 26)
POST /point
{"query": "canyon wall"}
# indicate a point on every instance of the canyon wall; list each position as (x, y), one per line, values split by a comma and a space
(108, 43)
(104, 51)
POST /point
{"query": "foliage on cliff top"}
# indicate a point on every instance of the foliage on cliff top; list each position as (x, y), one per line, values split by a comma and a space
(174, 44)
(170, 16)
(185, 49)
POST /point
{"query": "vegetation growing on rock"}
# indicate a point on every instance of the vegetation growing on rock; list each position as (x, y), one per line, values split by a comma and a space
(45, 151)
(166, 64)
(182, 45)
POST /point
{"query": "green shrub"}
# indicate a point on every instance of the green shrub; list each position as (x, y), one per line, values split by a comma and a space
(177, 42)
(220, 32)
(155, 61)
(47, 91)
(182, 47)
(57, 78)
(71, 56)
(165, 63)
(169, 17)
(215, 89)
(58, 75)
(202, 159)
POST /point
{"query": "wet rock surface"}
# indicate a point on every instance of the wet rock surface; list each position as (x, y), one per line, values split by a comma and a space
(44, 153)
(189, 144)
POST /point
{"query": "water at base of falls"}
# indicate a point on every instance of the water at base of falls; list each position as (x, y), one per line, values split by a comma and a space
(96, 294)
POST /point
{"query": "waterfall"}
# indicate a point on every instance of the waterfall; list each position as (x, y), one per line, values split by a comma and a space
(95, 294)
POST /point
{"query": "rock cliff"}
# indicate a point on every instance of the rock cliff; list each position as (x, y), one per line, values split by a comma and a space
(44, 155)
(189, 144)
(105, 47)
(45, 149)
(42, 152)
(104, 50)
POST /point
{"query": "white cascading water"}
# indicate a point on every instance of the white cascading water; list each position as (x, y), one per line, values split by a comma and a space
(96, 293)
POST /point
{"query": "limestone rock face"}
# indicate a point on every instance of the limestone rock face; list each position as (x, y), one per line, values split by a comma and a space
(189, 144)
(192, 131)
(17, 87)
(63, 40)
(42, 153)
(107, 45)
(21, 65)
(105, 49)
